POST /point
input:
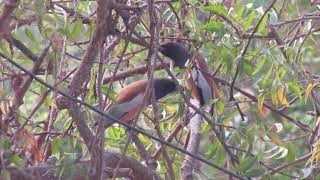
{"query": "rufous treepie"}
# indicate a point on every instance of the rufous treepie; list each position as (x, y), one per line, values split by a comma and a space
(131, 97)
(199, 81)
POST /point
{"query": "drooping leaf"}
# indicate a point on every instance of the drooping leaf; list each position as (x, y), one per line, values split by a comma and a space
(282, 96)
(77, 29)
(30, 35)
(291, 152)
(51, 102)
(213, 148)
(67, 124)
(260, 101)
(309, 88)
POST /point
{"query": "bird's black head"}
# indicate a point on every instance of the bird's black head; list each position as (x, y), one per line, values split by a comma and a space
(164, 86)
(177, 52)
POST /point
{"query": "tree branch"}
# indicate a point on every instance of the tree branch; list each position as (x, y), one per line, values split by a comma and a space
(132, 169)
(5, 18)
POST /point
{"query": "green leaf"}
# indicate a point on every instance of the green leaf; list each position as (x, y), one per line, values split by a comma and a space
(291, 156)
(111, 93)
(267, 75)
(219, 107)
(181, 109)
(51, 102)
(263, 25)
(295, 88)
(259, 66)
(4, 47)
(17, 160)
(5, 144)
(213, 26)
(246, 164)
(56, 145)
(206, 128)
(217, 9)
(76, 29)
(114, 132)
(30, 35)
(267, 177)
(250, 139)
(67, 124)
(221, 156)
(256, 172)
(249, 21)
(281, 72)
(213, 148)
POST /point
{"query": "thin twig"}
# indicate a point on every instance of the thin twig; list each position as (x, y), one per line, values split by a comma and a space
(246, 48)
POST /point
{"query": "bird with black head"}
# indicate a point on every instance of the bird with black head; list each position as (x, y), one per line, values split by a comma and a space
(130, 98)
(199, 81)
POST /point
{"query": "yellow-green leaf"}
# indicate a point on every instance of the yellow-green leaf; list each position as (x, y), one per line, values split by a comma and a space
(309, 88)
(260, 101)
(51, 102)
(275, 138)
(219, 107)
(217, 9)
(282, 97)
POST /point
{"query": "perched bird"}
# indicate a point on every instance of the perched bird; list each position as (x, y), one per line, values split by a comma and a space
(130, 98)
(199, 81)
(177, 52)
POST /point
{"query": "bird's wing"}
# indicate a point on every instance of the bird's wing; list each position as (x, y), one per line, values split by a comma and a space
(202, 83)
(131, 91)
(118, 110)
